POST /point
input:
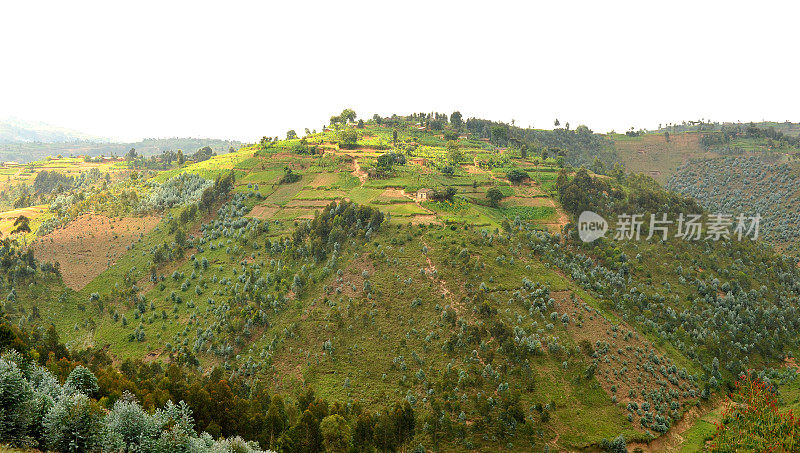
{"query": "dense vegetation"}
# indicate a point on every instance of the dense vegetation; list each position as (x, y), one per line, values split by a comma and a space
(749, 185)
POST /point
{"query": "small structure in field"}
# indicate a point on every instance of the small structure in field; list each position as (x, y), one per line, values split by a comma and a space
(424, 194)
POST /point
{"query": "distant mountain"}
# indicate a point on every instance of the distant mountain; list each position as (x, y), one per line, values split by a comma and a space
(14, 130)
(24, 152)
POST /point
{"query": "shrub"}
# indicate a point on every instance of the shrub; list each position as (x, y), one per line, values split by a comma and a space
(516, 176)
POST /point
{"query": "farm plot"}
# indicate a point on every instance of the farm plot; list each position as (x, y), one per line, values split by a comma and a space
(88, 245)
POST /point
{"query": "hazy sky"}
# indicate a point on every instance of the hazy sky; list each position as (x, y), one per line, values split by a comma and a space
(246, 69)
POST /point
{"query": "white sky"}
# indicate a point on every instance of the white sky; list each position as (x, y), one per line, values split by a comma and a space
(246, 69)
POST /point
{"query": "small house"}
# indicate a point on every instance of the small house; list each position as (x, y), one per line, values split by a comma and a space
(424, 194)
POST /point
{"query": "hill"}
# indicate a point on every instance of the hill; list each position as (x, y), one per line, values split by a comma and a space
(14, 130)
(767, 185)
(658, 155)
(30, 151)
(417, 260)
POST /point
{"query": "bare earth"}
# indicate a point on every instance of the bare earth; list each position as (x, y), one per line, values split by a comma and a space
(90, 244)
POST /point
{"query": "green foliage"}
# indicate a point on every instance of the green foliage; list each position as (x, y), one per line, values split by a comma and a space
(16, 404)
(289, 176)
(494, 195)
(74, 424)
(336, 434)
(334, 225)
(82, 380)
(517, 176)
(347, 137)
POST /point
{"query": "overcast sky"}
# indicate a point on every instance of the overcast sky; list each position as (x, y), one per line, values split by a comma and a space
(246, 69)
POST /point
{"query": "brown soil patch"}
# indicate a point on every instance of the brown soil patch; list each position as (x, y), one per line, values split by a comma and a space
(394, 193)
(323, 180)
(357, 171)
(308, 203)
(473, 169)
(425, 219)
(528, 201)
(263, 212)
(90, 244)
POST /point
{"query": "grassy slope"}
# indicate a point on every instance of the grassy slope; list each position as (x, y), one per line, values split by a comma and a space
(653, 155)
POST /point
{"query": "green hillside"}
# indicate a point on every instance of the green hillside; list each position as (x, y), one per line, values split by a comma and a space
(421, 261)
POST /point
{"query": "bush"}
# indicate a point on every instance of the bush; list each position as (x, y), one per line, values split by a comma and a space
(517, 176)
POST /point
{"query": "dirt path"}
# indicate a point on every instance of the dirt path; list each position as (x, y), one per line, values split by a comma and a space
(357, 171)
(457, 306)
(563, 218)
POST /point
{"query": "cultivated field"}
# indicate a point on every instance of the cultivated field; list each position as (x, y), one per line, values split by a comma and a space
(91, 243)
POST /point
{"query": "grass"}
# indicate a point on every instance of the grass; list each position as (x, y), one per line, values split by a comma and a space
(702, 430)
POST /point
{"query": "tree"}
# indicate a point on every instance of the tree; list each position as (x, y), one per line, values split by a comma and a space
(348, 115)
(335, 434)
(348, 138)
(499, 134)
(386, 161)
(454, 154)
(128, 426)
(15, 403)
(450, 135)
(404, 421)
(276, 421)
(83, 380)
(394, 137)
(456, 120)
(494, 195)
(131, 154)
(291, 134)
(203, 154)
(181, 159)
(74, 423)
(363, 433)
(306, 433)
(21, 225)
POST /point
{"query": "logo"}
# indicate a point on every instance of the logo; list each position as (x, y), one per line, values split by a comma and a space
(591, 226)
